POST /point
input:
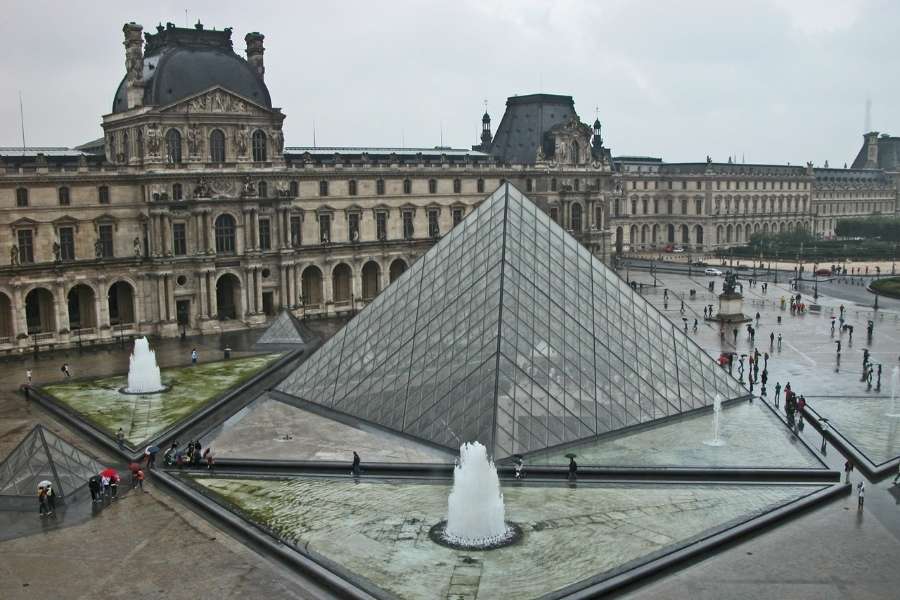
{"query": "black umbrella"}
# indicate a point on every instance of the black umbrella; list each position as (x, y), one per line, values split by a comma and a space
(570, 455)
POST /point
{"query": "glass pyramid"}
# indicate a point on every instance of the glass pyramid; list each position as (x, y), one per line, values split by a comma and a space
(509, 332)
(284, 330)
(44, 455)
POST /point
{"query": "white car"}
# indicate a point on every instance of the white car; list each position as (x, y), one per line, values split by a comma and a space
(678, 250)
(712, 272)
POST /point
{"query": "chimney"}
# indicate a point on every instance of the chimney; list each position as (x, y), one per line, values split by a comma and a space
(134, 64)
(255, 52)
(871, 150)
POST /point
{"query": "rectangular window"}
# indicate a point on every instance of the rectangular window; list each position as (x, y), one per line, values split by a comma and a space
(381, 225)
(106, 241)
(66, 243)
(684, 185)
(434, 229)
(554, 214)
(21, 197)
(179, 239)
(64, 196)
(408, 230)
(324, 228)
(103, 194)
(699, 207)
(26, 246)
(265, 235)
(457, 216)
(353, 224)
(295, 232)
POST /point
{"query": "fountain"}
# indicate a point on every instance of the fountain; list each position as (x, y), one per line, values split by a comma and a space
(143, 372)
(895, 379)
(717, 411)
(475, 511)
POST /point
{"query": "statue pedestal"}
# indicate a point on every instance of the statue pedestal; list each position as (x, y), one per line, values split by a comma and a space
(731, 309)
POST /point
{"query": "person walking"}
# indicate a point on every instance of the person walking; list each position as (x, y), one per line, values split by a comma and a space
(777, 392)
(94, 487)
(838, 343)
(194, 356)
(860, 494)
(848, 466)
(772, 339)
(695, 325)
(573, 469)
(210, 461)
(897, 476)
(779, 342)
(51, 499)
(139, 476)
(355, 468)
(120, 439)
(28, 376)
(735, 332)
(65, 370)
(765, 377)
(42, 501)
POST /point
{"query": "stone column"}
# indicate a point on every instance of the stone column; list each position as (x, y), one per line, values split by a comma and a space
(170, 296)
(247, 290)
(298, 284)
(327, 287)
(164, 246)
(384, 276)
(103, 299)
(258, 277)
(203, 300)
(161, 296)
(245, 226)
(254, 229)
(283, 290)
(19, 306)
(208, 241)
(211, 295)
(275, 229)
(61, 307)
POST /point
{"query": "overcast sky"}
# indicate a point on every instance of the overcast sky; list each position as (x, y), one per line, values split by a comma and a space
(770, 80)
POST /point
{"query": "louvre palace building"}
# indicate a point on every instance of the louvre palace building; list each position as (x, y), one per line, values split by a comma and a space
(191, 214)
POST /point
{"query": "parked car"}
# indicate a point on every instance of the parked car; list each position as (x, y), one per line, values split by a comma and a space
(699, 263)
(677, 249)
(712, 272)
(824, 272)
(669, 248)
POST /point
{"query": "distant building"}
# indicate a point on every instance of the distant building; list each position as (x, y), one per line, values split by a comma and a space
(192, 214)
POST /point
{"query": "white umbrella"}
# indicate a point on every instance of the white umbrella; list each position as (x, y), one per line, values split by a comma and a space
(44, 484)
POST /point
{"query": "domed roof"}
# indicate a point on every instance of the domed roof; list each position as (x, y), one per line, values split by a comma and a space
(179, 63)
(486, 118)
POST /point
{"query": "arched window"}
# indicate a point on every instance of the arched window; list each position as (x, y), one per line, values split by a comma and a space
(351, 187)
(480, 185)
(457, 186)
(173, 146)
(432, 186)
(295, 188)
(379, 187)
(63, 196)
(407, 186)
(259, 146)
(224, 227)
(263, 189)
(323, 188)
(576, 217)
(217, 146)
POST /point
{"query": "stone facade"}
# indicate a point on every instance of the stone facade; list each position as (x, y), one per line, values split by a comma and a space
(191, 215)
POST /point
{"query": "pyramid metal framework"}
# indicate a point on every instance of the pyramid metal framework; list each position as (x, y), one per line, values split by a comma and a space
(284, 330)
(509, 332)
(44, 455)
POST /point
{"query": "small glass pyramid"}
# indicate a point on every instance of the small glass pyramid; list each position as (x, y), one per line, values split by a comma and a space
(284, 330)
(44, 455)
(509, 332)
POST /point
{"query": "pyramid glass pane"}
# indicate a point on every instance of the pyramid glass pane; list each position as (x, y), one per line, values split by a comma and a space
(37, 457)
(510, 332)
(283, 330)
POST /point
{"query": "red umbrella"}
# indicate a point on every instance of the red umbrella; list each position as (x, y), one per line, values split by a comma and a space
(134, 467)
(109, 472)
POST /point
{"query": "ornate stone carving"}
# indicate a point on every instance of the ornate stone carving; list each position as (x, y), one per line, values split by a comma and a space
(136, 245)
(278, 138)
(194, 140)
(224, 186)
(152, 138)
(242, 140)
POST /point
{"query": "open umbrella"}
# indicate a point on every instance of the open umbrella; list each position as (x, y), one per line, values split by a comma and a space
(134, 467)
(570, 455)
(44, 484)
(151, 450)
(109, 472)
